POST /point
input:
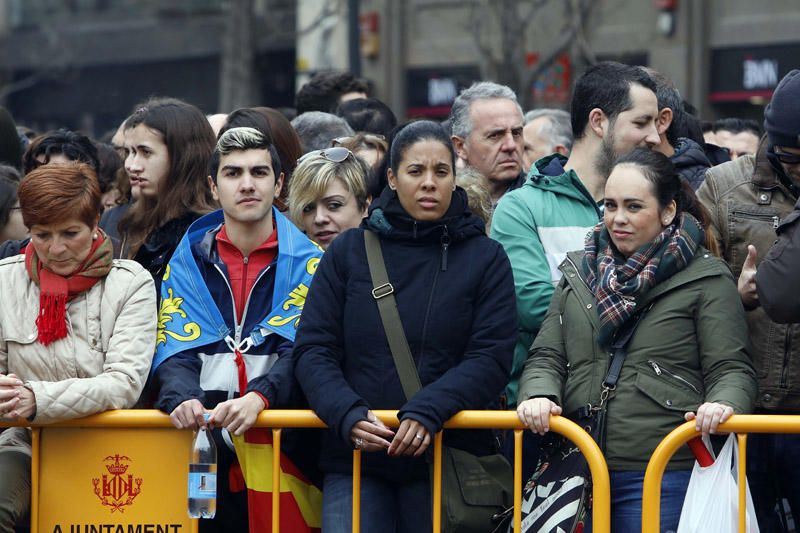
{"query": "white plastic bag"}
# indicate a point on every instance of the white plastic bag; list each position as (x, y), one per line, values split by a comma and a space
(712, 498)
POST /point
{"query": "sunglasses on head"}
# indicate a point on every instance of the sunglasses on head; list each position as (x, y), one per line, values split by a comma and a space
(787, 158)
(336, 154)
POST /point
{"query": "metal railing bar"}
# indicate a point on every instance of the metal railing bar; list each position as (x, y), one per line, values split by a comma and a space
(651, 497)
(278, 418)
(742, 439)
(276, 480)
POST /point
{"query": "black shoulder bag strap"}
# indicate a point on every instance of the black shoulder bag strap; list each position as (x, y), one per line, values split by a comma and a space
(620, 350)
(383, 292)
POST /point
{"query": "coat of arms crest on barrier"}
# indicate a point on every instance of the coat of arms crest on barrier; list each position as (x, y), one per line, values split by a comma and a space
(118, 488)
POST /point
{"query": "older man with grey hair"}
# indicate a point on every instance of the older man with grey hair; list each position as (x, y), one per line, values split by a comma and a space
(547, 131)
(317, 129)
(486, 122)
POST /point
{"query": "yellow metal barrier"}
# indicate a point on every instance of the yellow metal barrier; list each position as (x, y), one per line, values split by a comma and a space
(651, 498)
(60, 502)
(278, 419)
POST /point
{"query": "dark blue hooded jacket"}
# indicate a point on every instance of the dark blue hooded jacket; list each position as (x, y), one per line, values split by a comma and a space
(455, 295)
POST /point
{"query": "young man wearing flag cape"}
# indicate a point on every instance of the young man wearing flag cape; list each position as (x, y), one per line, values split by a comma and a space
(230, 303)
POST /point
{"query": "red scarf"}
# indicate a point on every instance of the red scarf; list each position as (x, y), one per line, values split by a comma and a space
(56, 290)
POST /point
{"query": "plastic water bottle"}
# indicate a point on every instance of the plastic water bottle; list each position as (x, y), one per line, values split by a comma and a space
(203, 475)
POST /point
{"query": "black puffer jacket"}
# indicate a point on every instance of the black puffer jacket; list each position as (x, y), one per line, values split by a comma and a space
(455, 295)
(690, 161)
(155, 253)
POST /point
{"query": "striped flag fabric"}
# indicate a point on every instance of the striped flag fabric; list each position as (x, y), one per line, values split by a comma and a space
(300, 500)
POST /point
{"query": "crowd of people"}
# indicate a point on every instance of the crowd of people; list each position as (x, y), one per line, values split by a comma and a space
(225, 264)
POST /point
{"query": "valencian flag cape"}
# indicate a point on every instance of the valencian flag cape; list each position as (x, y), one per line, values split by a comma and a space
(189, 318)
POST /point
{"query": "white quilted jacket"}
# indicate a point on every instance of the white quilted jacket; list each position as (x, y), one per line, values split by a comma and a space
(103, 361)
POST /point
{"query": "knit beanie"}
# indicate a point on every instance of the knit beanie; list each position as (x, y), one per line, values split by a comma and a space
(782, 116)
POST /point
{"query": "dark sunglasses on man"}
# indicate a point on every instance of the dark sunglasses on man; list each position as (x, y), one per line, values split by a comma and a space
(786, 158)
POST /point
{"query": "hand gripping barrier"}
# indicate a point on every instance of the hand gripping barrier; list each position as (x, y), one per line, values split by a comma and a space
(279, 419)
(740, 424)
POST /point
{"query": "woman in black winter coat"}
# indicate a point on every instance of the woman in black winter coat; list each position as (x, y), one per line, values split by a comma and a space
(455, 296)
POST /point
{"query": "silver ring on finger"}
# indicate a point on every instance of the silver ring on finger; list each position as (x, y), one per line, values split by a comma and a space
(419, 437)
(359, 442)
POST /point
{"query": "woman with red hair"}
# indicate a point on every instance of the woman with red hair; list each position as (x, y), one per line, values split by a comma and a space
(80, 335)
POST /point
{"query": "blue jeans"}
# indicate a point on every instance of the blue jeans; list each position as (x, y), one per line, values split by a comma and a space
(773, 472)
(385, 506)
(626, 500)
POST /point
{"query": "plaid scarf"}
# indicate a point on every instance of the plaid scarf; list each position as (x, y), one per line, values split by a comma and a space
(617, 282)
(55, 290)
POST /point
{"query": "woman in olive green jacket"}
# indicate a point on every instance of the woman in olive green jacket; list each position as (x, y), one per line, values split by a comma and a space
(688, 358)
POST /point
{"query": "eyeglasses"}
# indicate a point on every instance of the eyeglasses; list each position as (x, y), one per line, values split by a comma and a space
(787, 158)
(337, 154)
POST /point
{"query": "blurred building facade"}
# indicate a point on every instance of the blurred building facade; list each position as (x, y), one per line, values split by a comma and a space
(84, 64)
(725, 56)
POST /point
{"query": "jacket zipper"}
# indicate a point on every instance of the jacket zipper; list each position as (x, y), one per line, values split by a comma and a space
(233, 384)
(577, 274)
(776, 221)
(233, 303)
(445, 240)
(240, 323)
(425, 322)
(243, 295)
(237, 332)
(659, 370)
(787, 348)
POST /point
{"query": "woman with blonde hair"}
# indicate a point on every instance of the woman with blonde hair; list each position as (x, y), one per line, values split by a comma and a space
(478, 197)
(328, 194)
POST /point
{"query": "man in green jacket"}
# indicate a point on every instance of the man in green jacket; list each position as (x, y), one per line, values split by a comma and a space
(614, 109)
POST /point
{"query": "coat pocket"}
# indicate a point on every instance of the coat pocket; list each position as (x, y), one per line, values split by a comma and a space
(669, 389)
(26, 335)
(22, 356)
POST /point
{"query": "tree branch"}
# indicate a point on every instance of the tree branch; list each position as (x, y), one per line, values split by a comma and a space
(24, 83)
(329, 8)
(535, 6)
(478, 16)
(56, 58)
